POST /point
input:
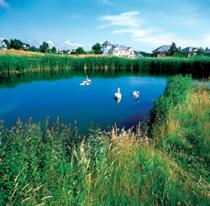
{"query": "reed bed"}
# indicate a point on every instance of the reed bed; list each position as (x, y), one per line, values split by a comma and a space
(13, 64)
(55, 165)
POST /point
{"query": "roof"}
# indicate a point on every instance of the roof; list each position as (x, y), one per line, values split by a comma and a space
(189, 49)
(162, 49)
(106, 43)
(120, 47)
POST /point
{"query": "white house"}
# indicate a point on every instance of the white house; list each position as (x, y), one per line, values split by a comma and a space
(25, 46)
(117, 50)
(3, 46)
(106, 47)
(122, 51)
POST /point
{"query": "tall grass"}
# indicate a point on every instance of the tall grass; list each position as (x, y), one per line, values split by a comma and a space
(11, 64)
(181, 125)
(43, 165)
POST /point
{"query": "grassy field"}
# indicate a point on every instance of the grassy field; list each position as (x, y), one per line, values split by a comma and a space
(167, 164)
(31, 53)
(16, 64)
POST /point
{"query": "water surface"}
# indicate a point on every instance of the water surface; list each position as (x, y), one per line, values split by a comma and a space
(85, 105)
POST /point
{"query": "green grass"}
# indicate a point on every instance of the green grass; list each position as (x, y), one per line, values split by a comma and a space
(11, 64)
(181, 126)
(54, 165)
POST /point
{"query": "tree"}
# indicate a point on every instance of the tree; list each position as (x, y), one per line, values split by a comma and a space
(80, 50)
(53, 50)
(179, 53)
(201, 52)
(44, 47)
(34, 49)
(97, 49)
(16, 44)
(173, 49)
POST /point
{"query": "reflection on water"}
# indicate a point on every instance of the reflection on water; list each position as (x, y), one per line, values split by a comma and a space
(14, 80)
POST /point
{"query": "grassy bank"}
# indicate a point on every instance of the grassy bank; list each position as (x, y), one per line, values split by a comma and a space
(181, 126)
(42, 165)
(13, 64)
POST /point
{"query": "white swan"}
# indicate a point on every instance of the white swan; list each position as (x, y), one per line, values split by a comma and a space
(136, 94)
(85, 83)
(118, 95)
(88, 80)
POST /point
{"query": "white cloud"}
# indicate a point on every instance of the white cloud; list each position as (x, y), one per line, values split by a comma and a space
(4, 4)
(69, 45)
(141, 31)
(133, 25)
(124, 19)
(147, 36)
(50, 43)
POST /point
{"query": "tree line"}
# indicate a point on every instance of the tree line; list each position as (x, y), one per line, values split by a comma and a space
(45, 47)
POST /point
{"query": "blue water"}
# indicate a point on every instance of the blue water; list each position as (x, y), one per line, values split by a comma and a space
(85, 105)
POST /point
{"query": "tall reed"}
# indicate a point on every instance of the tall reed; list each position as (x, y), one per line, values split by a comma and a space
(197, 66)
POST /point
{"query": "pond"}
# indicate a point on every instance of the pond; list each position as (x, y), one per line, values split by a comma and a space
(83, 105)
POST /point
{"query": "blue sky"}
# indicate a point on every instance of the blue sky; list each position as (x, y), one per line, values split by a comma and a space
(142, 24)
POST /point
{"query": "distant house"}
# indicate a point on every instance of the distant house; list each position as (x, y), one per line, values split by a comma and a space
(71, 51)
(63, 51)
(143, 54)
(190, 51)
(3, 46)
(25, 46)
(117, 50)
(162, 50)
(59, 51)
(106, 47)
(207, 51)
(122, 51)
(139, 54)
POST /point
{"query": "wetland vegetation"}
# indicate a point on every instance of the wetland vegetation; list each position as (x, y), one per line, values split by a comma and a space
(14, 64)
